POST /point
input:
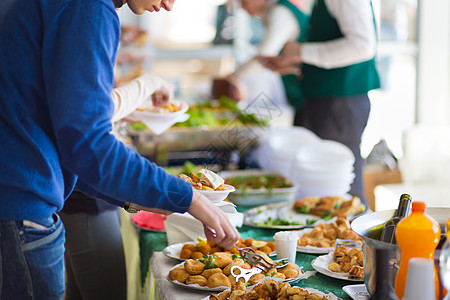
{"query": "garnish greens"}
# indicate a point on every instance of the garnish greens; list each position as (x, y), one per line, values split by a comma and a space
(208, 260)
(278, 222)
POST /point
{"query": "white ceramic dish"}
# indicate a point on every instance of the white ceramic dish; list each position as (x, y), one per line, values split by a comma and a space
(258, 196)
(356, 291)
(312, 249)
(320, 264)
(218, 196)
(256, 217)
(142, 115)
(222, 288)
(174, 251)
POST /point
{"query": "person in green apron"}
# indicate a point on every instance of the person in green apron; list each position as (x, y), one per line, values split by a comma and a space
(337, 64)
(283, 21)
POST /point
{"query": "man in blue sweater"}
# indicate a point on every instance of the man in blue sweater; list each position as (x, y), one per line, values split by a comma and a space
(56, 78)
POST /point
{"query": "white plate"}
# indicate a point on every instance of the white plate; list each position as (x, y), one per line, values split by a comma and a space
(312, 249)
(255, 217)
(174, 251)
(258, 196)
(328, 296)
(222, 288)
(357, 291)
(218, 196)
(139, 115)
(320, 264)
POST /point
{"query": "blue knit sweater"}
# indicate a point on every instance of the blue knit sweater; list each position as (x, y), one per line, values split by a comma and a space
(56, 78)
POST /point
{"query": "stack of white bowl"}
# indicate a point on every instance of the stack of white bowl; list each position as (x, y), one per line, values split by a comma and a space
(317, 167)
(278, 148)
(323, 168)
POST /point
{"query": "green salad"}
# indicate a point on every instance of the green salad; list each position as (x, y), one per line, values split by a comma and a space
(256, 182)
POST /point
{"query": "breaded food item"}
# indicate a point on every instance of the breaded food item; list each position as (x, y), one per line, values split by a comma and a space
(194, 267)
(272, 246)
(248, 242)
(236, 262)
(196, 279)
(222, 296)
(334, 267)
(179, 275)
(204, 249)
(209, 272)
(356, 272)
(223, 259)
(190, 247)
(185, 254)
(254, 279)
(218, 279)
(197, 255)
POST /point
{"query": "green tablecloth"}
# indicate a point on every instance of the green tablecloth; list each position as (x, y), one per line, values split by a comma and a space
(157, 241)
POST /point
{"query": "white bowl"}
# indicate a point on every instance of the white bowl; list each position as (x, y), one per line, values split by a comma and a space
(253, 197)
(218, 196)
(325, 152)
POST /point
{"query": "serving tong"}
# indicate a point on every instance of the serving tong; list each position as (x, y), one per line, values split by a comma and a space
(258, 262)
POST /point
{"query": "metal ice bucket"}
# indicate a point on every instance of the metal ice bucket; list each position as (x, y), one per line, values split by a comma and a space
(370, 226)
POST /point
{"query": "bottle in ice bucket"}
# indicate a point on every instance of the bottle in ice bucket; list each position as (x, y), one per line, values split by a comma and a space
(402, 211)
(444, 261)
(417, 235)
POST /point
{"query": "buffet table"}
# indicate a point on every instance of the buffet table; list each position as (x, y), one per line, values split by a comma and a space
(149, 271)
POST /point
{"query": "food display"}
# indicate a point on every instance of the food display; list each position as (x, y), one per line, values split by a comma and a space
(349, 261)
(205, 180)
(196, 250)
(256, 182)
(330, 206)
(271, 289)
(325, 235)
(168, 108)
(213, 271)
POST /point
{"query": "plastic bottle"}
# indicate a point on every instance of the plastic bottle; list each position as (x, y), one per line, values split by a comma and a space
(417, 235)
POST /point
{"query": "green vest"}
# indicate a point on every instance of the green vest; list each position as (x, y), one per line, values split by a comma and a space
(346, 81)
(291, 82)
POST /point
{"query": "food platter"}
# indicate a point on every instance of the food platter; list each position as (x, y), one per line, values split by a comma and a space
(259, 217)
(320, 264)
(222, 288)
(174, 251)
(146, 114)
(311, 249)
(262, 195)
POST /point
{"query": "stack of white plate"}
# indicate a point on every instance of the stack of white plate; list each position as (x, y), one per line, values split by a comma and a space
(278, 148)
(323, 168)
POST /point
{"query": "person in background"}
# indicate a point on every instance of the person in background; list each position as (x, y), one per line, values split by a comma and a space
(56, 74)
(337, 64)
(283, 22)
(94, 256)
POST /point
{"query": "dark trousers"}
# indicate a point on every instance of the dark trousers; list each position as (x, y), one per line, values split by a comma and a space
(94, 258)
(341, 119)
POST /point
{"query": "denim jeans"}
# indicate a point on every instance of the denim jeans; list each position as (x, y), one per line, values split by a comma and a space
(32, 259)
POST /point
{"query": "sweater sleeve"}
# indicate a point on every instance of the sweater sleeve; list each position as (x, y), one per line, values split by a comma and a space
(79, 83)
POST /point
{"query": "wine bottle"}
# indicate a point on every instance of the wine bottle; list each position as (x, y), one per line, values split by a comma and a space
(402, 211)
(383, 275)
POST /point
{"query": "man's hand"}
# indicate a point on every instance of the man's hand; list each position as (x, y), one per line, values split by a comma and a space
(217, 225)
(287, 62)
(163, 95)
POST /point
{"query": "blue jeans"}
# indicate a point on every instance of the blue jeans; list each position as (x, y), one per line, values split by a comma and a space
(32, 259)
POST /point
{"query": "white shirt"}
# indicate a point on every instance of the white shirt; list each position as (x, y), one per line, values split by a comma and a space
(131, 95)
(358, 44)
(281, 26)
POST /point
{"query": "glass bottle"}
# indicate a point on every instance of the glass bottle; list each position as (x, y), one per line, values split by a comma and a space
(383, 274)
(417, 235)
(444, 261)
(402, 211)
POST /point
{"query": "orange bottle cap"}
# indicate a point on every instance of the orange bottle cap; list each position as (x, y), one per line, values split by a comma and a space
(418, 206)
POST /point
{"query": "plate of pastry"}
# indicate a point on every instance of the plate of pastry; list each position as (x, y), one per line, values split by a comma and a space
(323, 237)
(213, 272)
(344, 263)
(196, 249)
